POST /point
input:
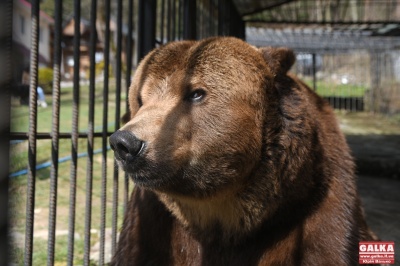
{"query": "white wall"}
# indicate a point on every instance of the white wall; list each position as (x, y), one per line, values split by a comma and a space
(22, 33)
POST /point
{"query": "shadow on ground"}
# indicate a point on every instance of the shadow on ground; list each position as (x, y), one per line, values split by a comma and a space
(381, 200)
(375, 144)
(376, 155)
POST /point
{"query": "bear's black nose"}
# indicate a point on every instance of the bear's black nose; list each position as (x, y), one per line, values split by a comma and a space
(126, 145)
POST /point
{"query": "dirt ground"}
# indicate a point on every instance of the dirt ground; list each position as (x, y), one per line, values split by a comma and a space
(375, 143)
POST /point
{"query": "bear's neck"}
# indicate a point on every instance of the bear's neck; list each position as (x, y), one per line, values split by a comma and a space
(224, 216)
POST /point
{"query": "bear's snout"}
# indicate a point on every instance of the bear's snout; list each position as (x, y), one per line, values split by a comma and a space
(126, 146)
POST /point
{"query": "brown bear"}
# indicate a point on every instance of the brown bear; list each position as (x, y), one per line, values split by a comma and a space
(235, 162)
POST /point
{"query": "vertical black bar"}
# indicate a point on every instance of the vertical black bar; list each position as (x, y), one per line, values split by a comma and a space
(115, 205)
(74, 132)
(147, 27)
(211, 17)
(189, 19)
(119, 62)
(200, 17)
(30, 194)
(230, 22)
(221, 17)
(314, 72)
(117, 122)
(236, 23)
(169, 21)
(162, 21)
(173, 15)
(55, 131)
(90, 142)
(128, 81)
(180, 15)
(375, 71)
(107, 6)
(5, 106)
(216, 16)
(240, 28)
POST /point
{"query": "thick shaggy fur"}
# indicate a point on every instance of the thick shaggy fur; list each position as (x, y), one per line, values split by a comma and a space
(255, 172)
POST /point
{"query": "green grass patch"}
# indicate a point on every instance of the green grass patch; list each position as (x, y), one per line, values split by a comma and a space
(326, 89)
(18, 190)
(20, 114)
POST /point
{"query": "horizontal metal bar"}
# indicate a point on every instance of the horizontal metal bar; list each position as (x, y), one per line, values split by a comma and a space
(265, 7)
(62, 135)
(331, 23)
(48, 164)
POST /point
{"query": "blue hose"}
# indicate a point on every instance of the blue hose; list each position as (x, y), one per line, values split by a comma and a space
(16, 141)
(48, 164)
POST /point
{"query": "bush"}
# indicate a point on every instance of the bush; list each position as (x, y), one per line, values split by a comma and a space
(99, 68)
(45, 79)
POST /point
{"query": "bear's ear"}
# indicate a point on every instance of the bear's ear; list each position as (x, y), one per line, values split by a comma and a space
(280, 60)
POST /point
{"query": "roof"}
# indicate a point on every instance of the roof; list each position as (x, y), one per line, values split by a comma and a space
(307, 38)
(43, 15)
(247, 7)
(322, 25)
(322, 11)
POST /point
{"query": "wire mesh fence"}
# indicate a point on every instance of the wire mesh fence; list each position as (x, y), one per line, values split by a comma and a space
(354, 81)
(352, 66)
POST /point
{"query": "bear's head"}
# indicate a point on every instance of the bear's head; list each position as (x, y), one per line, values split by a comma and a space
(198, 114)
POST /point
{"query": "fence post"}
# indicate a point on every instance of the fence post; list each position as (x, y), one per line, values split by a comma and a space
(374, 97)
(147, 27)
(230, 22)
(314, 71)
(221, 17)
(31, 179)
(189, 19)
(5, 84)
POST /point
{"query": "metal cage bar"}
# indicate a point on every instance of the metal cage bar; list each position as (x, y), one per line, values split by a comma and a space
(129, 52)
(90, 139)
(189, 19)
(147, 26)
(117, 124)
(54, 132)
(103, 195)
(169, 38)
(74, 132)
(173, 20)
(5, 106)
(178, 21)
(31, 184)
(114, 209)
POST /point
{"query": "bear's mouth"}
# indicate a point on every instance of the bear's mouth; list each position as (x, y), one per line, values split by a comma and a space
(147, 181)
(145, 173)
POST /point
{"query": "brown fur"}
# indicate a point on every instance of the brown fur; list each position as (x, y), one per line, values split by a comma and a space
(256, 173)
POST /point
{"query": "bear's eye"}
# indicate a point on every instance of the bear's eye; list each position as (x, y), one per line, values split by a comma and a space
(196, 95)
